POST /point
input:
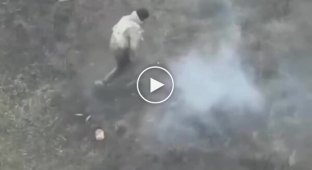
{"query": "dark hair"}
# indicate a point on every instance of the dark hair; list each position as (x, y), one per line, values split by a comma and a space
(142, 13)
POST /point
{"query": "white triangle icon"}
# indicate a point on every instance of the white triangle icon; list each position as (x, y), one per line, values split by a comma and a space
(155, 85)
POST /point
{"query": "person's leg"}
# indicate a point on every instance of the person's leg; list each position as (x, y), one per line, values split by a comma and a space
(110, 74)
(122, 60)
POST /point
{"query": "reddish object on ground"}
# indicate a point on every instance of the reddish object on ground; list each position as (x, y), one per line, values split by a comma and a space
(99, 134)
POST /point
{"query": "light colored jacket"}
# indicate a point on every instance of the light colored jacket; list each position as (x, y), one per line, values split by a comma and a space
(127, 33)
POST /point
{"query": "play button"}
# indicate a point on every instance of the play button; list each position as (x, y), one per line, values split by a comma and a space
(155, 85)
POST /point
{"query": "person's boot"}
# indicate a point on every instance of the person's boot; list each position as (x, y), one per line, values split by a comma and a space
(102, 83)
(99, 83)
(107, 78)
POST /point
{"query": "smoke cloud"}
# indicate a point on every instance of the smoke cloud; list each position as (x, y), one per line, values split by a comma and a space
(206, 81)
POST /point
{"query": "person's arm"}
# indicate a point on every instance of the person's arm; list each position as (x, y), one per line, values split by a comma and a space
(135, 36)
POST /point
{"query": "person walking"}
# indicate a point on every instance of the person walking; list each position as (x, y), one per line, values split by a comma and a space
(125, 40)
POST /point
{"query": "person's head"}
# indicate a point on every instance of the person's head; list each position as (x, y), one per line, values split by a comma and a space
(143, 13)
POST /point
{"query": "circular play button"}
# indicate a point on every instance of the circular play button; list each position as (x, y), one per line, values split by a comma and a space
(155, 84)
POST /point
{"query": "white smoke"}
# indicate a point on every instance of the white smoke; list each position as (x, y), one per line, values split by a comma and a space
(204, 83)
(208, 79)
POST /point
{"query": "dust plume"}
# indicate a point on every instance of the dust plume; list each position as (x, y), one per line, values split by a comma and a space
(207, 82)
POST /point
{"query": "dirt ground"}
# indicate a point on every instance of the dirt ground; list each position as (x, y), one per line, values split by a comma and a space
(242, 99)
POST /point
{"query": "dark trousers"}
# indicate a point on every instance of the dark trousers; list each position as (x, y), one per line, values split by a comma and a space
(122, 57)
